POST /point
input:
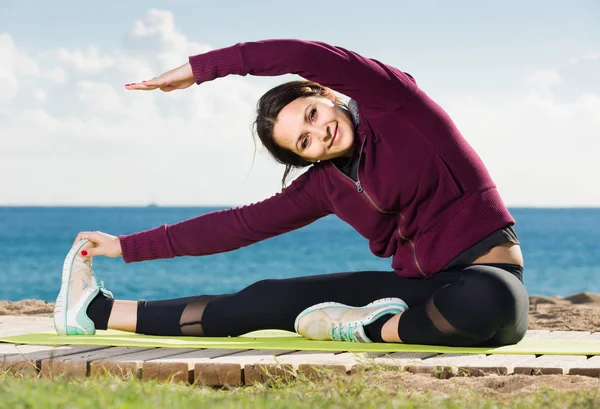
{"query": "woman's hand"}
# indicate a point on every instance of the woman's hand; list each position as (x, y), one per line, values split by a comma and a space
(178, 78)
(104, 244)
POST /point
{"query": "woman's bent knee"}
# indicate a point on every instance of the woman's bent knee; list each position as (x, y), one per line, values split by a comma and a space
(502, 305)
(484, 301)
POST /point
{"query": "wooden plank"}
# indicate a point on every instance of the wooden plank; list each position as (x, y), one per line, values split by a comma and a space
(549, 365)
(130, 364)
(323, 359)
(529, 364)
(591, 367)
(77, 365)
(181, 367)
(309, 363)
(443, 365)
(39, 352)
(498, 364)
(8, 350)
(31, 361)
(401, 360)
(353, 360)
(243, 367)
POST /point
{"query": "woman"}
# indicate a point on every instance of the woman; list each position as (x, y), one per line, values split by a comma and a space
(391, 164)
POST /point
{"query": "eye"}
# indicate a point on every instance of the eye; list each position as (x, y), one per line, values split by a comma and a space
(304, 142)
(313, 114)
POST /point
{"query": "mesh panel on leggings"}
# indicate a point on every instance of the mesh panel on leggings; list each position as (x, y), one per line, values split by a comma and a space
(191, 317)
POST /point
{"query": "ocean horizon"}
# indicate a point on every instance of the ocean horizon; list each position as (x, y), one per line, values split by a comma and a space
(560, 247)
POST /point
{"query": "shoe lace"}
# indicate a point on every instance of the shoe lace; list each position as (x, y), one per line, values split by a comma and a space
(343, 331)
(104, 290)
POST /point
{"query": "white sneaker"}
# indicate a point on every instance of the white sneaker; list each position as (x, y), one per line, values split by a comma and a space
(79, 287)
(340, 322)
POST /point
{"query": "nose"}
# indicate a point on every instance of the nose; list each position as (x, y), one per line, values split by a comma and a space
(321, 132)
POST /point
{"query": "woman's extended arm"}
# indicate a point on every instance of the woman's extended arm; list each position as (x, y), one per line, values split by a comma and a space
(298, 205)
(373, 84)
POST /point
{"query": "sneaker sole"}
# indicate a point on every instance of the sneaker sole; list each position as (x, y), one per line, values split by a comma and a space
(60, 306)
(382, 302)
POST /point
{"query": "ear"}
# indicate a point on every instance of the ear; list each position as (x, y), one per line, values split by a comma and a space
(327, 93)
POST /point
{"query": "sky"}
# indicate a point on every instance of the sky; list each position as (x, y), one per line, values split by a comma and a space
(520, 79)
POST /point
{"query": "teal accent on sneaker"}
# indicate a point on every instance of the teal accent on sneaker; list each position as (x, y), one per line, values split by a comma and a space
(75, 331)
(340, 322)
(85, 326)
(354, 331)
(104, 291)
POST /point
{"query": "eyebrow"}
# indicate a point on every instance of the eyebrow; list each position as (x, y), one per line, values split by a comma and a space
(303, 134)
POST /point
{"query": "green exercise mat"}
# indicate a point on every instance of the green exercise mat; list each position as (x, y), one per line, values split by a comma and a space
(283, 340)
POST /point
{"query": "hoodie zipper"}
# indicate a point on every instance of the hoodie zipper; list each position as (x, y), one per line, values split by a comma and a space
(361, 189)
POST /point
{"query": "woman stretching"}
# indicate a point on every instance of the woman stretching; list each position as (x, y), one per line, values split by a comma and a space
(391, 163)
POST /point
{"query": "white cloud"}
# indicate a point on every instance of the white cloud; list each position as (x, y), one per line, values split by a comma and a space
(592, 55)
(13, 62)
(8, 84)
(88, 141)
(544, 80)
(40, 95)
(90, 60)
(158, 30)
(19, 64)
(100, 97)
(540, 151)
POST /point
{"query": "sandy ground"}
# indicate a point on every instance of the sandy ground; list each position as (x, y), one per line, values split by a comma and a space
(500, 388)
(578, 312)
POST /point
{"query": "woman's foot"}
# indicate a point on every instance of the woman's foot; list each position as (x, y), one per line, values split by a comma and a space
(340, 322)
(79, 287)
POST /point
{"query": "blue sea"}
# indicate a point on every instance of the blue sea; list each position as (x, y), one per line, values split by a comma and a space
(560, 246)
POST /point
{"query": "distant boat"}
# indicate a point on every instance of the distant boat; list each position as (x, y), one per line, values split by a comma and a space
(152, 205)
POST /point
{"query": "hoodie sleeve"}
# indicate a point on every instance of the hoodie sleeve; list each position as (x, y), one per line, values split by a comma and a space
(376, 86)
(300, 204)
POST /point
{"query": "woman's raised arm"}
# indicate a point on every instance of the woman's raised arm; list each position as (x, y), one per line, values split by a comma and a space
(368, 81)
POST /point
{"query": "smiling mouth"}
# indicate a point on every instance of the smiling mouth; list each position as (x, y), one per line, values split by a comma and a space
(334, 136)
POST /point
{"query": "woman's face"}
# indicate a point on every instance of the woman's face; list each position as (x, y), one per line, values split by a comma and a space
(315, 128)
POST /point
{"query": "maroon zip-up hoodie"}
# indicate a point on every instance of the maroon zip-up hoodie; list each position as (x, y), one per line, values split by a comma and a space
(423, 194)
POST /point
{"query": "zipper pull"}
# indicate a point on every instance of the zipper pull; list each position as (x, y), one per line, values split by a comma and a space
(359, 187)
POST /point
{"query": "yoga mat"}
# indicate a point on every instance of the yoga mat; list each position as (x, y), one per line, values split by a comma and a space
(283, 340)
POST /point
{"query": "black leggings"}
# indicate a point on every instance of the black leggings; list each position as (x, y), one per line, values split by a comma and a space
(479, 304)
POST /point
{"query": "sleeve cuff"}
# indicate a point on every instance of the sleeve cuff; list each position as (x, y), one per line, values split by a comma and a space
(216, 63)
(147, 245)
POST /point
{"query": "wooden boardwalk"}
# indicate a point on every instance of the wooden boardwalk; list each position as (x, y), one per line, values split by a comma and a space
(218, 367)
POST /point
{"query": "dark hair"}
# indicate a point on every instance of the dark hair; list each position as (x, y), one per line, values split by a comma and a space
(267, 109)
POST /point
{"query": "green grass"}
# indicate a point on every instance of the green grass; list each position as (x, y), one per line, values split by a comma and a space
(377, 389)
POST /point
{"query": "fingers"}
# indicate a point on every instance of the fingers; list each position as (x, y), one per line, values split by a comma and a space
(151, 85)
(94, 237)
(90, 252)
(144, 85)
